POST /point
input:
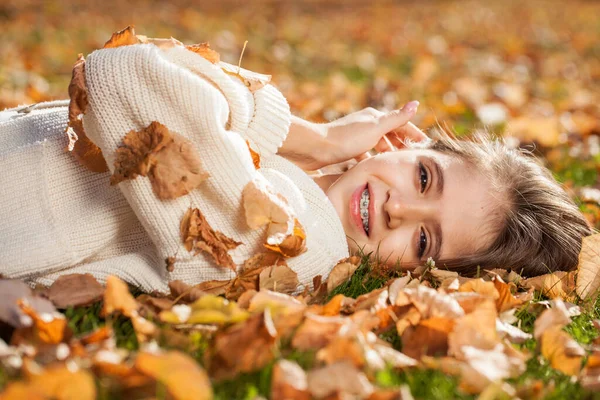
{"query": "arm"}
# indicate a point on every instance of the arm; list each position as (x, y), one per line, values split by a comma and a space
(312, 146)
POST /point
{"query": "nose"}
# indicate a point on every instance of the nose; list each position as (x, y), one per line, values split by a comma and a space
(401, 209)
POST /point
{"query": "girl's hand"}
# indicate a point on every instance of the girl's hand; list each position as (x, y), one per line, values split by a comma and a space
(355, 134)
(313, 146)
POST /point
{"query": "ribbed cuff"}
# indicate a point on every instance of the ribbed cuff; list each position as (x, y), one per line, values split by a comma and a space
(271, 121)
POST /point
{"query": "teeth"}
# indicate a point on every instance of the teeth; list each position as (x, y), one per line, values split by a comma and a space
(364, 209)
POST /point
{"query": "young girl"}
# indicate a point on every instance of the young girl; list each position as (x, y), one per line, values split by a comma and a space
(463, 204)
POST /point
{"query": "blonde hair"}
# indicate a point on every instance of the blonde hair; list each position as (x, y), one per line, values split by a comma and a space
(541, 228)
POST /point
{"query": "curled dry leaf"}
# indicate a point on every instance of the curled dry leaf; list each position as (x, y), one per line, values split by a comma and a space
(253, 80)
(75, 290)
(563, 352)
(198, 235)
(588, 271)
(289, 381)
(506, 300)
(341, 377)
(293, 245)
(59, 382)
(83, 149)
(342, 272)
(179, 373)
(123, 37)
(279, 279)
(204, 50)
(184, 292)
(168, 159)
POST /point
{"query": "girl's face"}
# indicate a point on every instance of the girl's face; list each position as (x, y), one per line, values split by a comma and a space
(416, 204)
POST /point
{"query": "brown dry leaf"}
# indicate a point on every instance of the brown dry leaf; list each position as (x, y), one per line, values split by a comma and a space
(340, 377)
(563, 352)
(476, 329)
(214, 287)
(75, 290)
(588, 271)
(289, 381)
(294, 244)
(58, 382)
(429, 337)
(558, 284)
(83, 149)
(255, 156)
(204, 50)
(253, 80)
(480, 286)
(506, 300)
(123, 37)
(244, 347)
(184, 292)
(317, 331)
(342, 272)
(50, 328)
(168, 159)
(279, 279)
(198, 235)
(118, 298)
(179, 373)
(262, 260)
(161, 43)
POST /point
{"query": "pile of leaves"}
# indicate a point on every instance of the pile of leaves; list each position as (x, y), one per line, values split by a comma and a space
(318, 344)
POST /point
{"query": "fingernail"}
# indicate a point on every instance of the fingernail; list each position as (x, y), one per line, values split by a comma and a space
(411, 107)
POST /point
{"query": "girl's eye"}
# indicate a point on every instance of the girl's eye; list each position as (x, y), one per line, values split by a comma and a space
(422, 243)
(423, 177)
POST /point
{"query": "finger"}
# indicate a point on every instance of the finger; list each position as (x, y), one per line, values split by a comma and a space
(410, 131)
(397, 118)
(363, 156)
(395, 139)
(384, 145)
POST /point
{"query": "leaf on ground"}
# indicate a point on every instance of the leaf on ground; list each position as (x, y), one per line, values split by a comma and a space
(343, 348)
(289, 381)
(341, 377)
(476, 329)
(485, 288)
(244, 347)
(262, 205)
(198, 235)
(433, 304)
(179, 373)
(169, 160)
(13, 290)
(429, 337)
(279, 279)
(59, 382)
(75, 290)
(184, 292)
(397, 286)
(590, 376)
(506, 300)
(50, 328)
(588, 271)
(123, 37)
(83, 149)
(276, 302)
(317, 331)
(556, 316)
(563, 352)
(557, 285)
(118, 298)
(342, 272)
(204, 50)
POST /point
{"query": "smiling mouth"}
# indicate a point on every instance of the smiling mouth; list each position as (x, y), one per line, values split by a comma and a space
(365, 200)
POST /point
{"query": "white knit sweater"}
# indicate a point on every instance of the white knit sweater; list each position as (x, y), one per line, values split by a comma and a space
(56, 217)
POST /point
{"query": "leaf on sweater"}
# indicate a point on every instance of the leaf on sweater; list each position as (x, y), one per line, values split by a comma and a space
(279, 279)
(75, 290)
(588, 271)
(124, 37)
(198, 235)
(83, 149)
(253, 80)
(181, 375)
(168, 159)
(342, 272)
(289, 381)
(262, 205)
(184, 292)
(204, 50)
(255, 156)
(161, 43)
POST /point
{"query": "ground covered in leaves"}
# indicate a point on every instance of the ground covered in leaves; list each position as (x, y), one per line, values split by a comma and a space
(529, 71)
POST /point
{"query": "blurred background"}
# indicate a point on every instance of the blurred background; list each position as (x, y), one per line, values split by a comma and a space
(529, 70)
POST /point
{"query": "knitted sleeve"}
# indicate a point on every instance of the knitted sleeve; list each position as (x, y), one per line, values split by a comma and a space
(129, 87)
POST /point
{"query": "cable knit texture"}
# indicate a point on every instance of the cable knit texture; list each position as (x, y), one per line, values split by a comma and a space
(57, 217)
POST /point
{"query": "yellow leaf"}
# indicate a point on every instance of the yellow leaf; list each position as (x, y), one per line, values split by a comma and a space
(123, 37)
(588, 271)
(204, 50)
(563, 352)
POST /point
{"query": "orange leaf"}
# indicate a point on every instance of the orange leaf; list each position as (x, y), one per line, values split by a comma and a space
(255, 156)
(118, 298)
(123, 37)
(50, 327)
(205, 51)
(429, 337)
(293, 245)
(563, 352)
(289, 381)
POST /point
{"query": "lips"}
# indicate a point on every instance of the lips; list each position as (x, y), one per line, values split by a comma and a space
(355, 209)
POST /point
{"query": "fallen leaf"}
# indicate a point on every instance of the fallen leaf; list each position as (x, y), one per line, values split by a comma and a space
(214, 287)
(289, 381)
(279, 279)
(339, 377)
(476, 329)
(179, 373)
(255, 156)
(542, 129)
(317, 331)
(204, 50)
(590, 376)
(184, 292)
(555, 317)
(198, 235)
(13, 290)
(161, 43)
(262, 260)
(588, 271)
(293, 245)
(168, 159)
(123, 37)
(118, 298)
(556, 285)
(50, 328)
(429, 337)
(75, 290)
(244, 347)
(433, 304)
(506, 300)
(342, 272)
(563, 352)
(485, 288)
